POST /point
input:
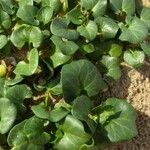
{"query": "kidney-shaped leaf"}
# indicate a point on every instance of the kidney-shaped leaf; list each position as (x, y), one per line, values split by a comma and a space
(35, 36)
(78, 110)
(26, 33)
(28, 134)
(121, 124)
(100, 8)
(29, 68)
(75, 16)
(127, 6)
(134, 58)
(15, 80)
(40, 111)
(81, 113)
(5, 19)
(74, 135)
(113, 67)
(27, 13)
(54, 115)
(34, 130)
(54, 4)
(108, 27)
(18, 93)
(8, 114)
(7, 6)
(80, 77)
(57, 114)
(88, 48)
(89, 31)
(19, 37)
(22, 3)
(59, 27)
(45, 14)
(135, 33)
(66, 47)
(58, 58)
(115, 50)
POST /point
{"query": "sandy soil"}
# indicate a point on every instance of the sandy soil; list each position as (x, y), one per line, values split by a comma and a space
(135, 87)
(144, 2)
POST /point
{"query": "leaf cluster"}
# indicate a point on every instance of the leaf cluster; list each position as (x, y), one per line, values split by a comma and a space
(59, 55)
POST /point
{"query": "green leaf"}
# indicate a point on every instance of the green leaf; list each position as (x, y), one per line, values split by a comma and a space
(116, 50)
(27, 13)
(7, 6)
(40, 111)
(80, 77)
(34, 130)
(35, 36)
(89, 147)
(60, 111)
(19, 36)
(89, 31)
(65, 46)
(17, 79)
(74, 135)
(29, 68)
(121, 125)
(135, 33)
(7, 115)
(100, 8)
(75, 16)
(25, 33)
(5, 19)
(56, 90)
(88, 48)
(57, 114)
(55, 86)
(54, 115)
(16, 137)
(145, 16)
(17, 94)
(113, 67)
(59, 27)
(107, 26)
(2, 87)
(58, 58)
(81, 113)
(45, 14)
(28, 134)
(146, 48)
(134, 58)
(127, 6)
(54, 4)
(23, 3)
(3, 41)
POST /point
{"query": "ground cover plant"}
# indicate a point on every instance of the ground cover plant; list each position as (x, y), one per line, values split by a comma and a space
(57, 56)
